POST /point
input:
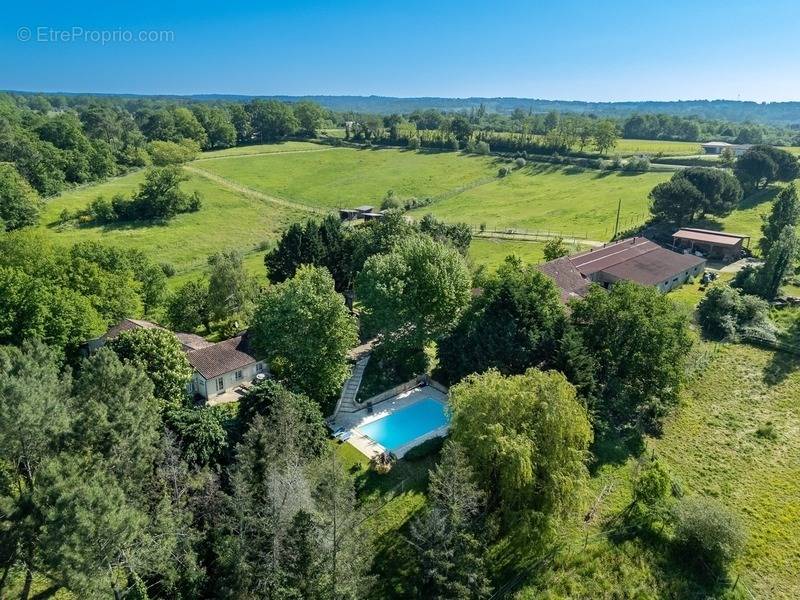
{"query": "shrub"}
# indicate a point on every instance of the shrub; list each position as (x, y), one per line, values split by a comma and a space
(168, 269)
(767, 431)
(482, 148)
(637, 165)
(414, 143)
(725, 313)
(425, 449)
(64, 216)
(502, 171)
(708, 531)
(519, 162)
(102, 210)
(454, 145)
(389, 201)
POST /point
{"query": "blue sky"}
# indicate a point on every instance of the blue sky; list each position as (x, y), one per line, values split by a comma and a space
(581, 50)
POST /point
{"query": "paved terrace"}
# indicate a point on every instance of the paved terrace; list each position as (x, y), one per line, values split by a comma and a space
(350, 421)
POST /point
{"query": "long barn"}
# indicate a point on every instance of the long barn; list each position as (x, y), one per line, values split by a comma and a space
(634, 259)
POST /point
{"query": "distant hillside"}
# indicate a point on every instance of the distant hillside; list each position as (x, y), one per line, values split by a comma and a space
(776, 113)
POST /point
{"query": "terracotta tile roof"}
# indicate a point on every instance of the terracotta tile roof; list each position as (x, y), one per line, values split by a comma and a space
(719, 238)
(191, 341)
(223, 357)
(128, 325)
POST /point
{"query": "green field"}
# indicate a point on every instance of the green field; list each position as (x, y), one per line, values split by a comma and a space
(226, 220)
(264, 149)
(345, 177)
(492, 252)
(627, 147)
(567, 200)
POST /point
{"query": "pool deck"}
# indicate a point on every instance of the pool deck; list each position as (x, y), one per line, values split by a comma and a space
(370, 448)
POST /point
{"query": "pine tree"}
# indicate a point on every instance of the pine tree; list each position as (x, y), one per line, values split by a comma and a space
(446, 536)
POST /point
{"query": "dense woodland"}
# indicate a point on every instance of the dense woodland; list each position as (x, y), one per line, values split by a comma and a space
(114, 483)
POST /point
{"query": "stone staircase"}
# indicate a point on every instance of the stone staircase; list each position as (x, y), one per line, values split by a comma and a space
(347, 400)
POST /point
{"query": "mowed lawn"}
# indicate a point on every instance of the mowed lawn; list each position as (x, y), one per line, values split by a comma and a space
(567, 200)
(226, 220)
(344, 177)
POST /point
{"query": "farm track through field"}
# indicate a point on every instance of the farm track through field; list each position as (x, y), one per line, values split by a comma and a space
(245, 155)
(237, 187)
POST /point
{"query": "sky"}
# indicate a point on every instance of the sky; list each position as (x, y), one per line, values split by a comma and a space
(608, 50)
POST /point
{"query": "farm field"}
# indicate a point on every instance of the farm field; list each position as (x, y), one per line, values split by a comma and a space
(568, 200)
(226, 220)
(345, 177)
(571, 201)
(626, 147)
(275, 148)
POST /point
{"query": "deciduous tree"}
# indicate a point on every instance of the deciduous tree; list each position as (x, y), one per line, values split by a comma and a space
(415, 292)
(304, 329)
(639, 340)
(527, 438)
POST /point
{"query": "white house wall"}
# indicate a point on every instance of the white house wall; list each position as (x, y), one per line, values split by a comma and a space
(208, 388)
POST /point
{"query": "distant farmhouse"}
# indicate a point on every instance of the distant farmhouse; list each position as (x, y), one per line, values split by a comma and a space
(634, 259)
(720, 147)
(220, 369)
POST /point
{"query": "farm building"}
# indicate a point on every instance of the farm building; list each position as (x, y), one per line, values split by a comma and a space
(714, 244)
(634, 259)
(720, 147)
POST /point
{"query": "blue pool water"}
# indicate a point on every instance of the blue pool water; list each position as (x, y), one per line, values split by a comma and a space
(407, 424)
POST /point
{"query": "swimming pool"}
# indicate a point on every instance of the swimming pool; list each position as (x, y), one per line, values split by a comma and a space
(398, 429)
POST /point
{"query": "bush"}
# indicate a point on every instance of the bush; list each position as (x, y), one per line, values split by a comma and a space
(708, 531)
(425, 449)
(454, 145)
(637, 165)
(482, 148)
(519, 162)
(168, 269)
(502, 171)
(65, 216)
(102, 210)
(390, 201)
(414, 143)
(725, 313)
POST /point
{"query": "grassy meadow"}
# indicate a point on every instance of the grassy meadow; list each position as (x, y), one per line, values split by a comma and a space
(568, 200)
(627, 147)
(553, 198)
(226, 220)
(346, 177)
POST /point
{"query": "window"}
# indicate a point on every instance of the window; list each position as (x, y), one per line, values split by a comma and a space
(238, 375)
(220, 383)
(259, 367)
